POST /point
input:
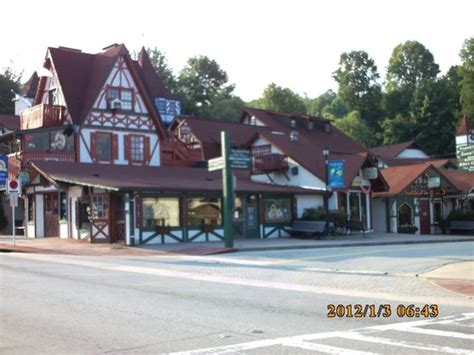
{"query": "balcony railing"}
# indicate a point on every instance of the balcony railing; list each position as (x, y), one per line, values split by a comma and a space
(42, 115)
(48, 156)
(269, 163)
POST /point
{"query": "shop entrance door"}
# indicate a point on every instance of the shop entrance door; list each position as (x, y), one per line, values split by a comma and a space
(51, 215)
(424, 217)
(251, 219)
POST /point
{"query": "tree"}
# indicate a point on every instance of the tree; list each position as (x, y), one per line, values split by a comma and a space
(9, 81)
(355, 127)
(359, 89)
(226, 107)
(467, 81)
(316, 106)
(201, 81)
(410, 64)
(162, 68)
(280, 99)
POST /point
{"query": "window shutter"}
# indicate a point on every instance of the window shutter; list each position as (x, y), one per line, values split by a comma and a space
(138, 211)
(127, 147)
(93, 146)
(114, 146)
(146, 149)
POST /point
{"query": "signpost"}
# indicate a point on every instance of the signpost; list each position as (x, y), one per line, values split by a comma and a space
(215, 164)
(227, 190)
(13, 190)
(240, 159)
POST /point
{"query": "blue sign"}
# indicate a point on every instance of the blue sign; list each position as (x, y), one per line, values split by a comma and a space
(336, 174)
(3, 169)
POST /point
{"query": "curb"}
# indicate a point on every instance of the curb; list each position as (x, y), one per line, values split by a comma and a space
(357, 244)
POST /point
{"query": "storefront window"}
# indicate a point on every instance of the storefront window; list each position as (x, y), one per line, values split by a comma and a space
(405, 215)
(437, 211)
(354, 206)
(62, 205)
(100, 206)
(30, 207)
(277, 210)
(204, 211)
(161, 211)
(238, 211)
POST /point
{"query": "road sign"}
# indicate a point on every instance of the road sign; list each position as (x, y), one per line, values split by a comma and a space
(14, 186)
(240, 159)
(215, 164)
(3, 170)
(13, 200)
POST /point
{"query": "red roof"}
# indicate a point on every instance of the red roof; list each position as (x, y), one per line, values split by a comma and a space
(153, 178)
(10, 122)
(463, 180)
(393, 150)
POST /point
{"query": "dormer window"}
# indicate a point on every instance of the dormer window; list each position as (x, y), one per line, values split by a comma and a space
(120, 98)
(253, 121)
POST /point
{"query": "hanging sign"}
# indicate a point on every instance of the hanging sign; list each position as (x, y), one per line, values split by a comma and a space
(370, 173)
(336, 174)
(240, 159)
(3, 170)
(433, 182)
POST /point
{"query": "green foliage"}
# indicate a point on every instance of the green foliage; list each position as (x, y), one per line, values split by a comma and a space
(399, 129)
(359, 89)
(201, 80)
(319, 214)
(160, 64)
(461, 215)
(407, 229)
(467, 75)
(316, 106)
(226, 107)
(353, 126)
(277, 98)
(8, 81)
(410, 64)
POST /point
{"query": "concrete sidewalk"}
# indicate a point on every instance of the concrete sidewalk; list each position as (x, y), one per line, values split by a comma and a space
(74, 247)
(456, 277)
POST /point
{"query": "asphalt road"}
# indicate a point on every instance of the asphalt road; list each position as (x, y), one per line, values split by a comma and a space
(266, 302)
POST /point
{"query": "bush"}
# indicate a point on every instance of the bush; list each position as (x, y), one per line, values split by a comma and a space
(3, 219)
(319, 214)
(410, 229)
(460, 215)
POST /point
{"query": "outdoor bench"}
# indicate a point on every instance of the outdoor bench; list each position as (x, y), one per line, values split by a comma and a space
(307, 228)
(461, 226)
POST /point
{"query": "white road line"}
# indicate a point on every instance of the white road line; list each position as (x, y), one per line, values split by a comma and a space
(436, 332)
(303, 340)
(403, 344)
(324, 348)
(230, 280)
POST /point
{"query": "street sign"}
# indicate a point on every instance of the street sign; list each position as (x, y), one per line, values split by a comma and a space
(240, 159)
(3, 170)
(14, 186)
(215, 164)
(13, 200)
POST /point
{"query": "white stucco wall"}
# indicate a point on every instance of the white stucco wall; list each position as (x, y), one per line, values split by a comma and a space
(412, 153)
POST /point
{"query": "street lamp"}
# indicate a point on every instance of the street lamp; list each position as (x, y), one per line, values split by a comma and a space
(326, 196)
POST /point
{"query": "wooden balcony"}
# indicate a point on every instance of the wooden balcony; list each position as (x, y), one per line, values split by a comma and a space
(269, 163)
(42, 115)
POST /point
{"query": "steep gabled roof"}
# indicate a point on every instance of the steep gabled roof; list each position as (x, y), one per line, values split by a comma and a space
(154, 84)
(400, 177)
(462, 180)
(393, 150)
(82, 75)
(29, 88)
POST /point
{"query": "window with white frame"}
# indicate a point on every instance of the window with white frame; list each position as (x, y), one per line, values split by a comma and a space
(137, 148)
(437, 211)
(124, 95)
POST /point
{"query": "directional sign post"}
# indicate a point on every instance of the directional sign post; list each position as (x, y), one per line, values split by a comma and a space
(227, 190)
(215, 164)
(240, 159)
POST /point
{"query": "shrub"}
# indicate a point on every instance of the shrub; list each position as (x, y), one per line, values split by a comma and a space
(409, 229)
(461, 215)
(319, 214)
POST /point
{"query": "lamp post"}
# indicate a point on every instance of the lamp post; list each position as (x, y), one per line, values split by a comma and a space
(326, 196)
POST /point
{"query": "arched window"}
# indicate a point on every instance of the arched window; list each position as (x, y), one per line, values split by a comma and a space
(405, 215)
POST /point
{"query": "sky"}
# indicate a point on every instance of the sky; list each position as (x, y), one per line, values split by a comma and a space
(293, 43)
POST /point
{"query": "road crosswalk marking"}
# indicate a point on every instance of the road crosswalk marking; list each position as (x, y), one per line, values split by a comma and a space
(306, 342)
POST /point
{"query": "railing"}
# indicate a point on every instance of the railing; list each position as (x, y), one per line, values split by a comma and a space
(269, 163)
(178, 153)
(42, 115)
(48, 156)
